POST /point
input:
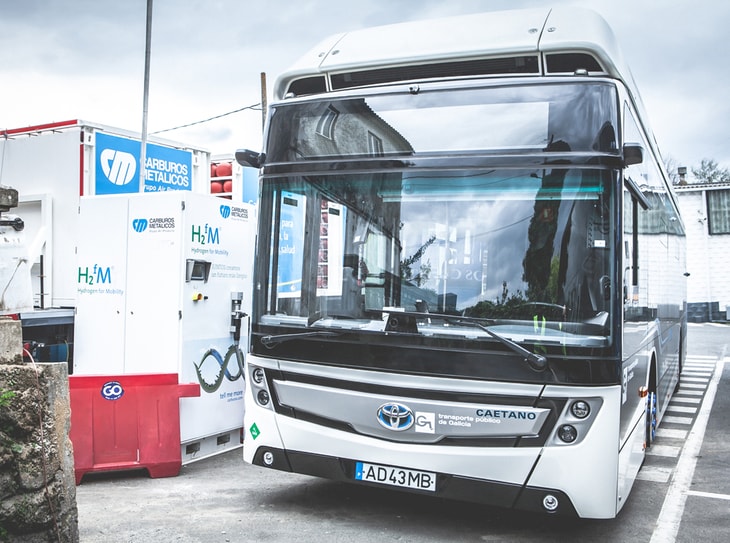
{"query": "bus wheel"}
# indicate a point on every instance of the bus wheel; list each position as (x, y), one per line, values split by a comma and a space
(680, 364)
(651, 420)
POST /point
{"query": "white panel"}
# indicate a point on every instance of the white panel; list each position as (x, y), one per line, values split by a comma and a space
(49, 164)
(587, 472)
(15, 290)
(154, 276)
(101, 284)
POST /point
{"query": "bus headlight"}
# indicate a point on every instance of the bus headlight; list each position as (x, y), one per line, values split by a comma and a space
(263, 397)
(258, 376)
(567, 433)
(580, 409)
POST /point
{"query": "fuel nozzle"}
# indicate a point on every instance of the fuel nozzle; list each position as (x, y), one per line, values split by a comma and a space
(236, 314)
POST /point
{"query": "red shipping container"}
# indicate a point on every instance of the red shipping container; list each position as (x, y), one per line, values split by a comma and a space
(127, 422)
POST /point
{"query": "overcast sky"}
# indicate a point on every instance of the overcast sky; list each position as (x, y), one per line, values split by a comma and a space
(84, 59)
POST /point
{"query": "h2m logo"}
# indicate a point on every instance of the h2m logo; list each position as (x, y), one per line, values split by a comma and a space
(205, 235)
(95, 276)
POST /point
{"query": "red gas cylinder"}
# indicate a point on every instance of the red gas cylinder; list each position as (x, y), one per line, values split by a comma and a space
(224, 169)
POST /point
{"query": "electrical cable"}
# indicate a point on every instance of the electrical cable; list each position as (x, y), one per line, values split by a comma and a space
(255, 107)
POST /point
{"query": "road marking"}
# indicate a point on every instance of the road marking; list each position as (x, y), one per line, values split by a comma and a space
(664, 450)
(679, 399)
(681, 409)
(693, 392)
(655, 474)
(709, 495)
(695, 380)
(677, 420)
(697, 373)
(667, 525)
(692, 385)
(671, 433)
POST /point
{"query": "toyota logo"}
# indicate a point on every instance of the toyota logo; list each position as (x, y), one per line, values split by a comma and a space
(395, 416)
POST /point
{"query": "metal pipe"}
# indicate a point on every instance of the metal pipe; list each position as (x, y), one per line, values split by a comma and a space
(145, 98)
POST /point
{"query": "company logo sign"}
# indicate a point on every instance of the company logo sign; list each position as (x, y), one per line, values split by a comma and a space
(117, 166)
(425, 423)
(205, 234)
(139, 225)
(98, 275)
(395, 416)
(112, 390)
(240, 213)
(153, 224)
(223, 371)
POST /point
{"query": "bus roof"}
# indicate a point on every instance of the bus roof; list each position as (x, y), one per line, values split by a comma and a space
(499, 43)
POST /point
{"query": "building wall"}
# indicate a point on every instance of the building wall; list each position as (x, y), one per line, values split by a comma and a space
(708, 256)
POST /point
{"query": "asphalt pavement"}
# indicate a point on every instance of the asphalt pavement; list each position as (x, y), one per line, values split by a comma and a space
(706, 514)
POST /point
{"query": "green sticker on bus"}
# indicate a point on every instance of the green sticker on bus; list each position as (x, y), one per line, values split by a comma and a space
(254, 431)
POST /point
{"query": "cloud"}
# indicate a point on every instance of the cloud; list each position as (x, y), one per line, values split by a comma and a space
(85, 59)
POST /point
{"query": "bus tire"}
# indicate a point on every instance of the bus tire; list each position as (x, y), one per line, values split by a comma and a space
(651, 417)
(680, 364)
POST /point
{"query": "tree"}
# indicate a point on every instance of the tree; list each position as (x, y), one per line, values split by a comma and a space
(710, 172)
(672, 166)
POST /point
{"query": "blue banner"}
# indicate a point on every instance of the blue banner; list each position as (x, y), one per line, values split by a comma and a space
(117, 166)
(291, 245)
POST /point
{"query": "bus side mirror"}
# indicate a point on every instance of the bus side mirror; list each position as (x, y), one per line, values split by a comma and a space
(633, 154)
(252, 159)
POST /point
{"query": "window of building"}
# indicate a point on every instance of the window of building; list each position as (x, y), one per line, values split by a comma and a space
(718, 211)
(326, 124)
(375, 145)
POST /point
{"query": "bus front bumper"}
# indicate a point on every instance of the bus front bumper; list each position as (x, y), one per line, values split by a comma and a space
(449, 486)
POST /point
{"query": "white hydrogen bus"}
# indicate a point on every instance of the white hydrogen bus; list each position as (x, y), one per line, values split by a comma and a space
(470, 277)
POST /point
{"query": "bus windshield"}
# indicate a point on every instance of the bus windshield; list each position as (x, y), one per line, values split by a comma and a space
(508, 220)
(527, 251)
(566, 117)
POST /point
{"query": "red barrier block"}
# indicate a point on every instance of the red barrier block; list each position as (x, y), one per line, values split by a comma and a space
(127, 422)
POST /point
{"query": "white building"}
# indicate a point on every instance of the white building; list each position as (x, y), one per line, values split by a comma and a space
(705, 209)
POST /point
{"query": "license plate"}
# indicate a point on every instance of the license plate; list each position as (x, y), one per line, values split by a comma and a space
(388, 475)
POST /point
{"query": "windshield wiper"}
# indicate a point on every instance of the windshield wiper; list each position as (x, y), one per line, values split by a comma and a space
(537, 362)
(271, 341)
